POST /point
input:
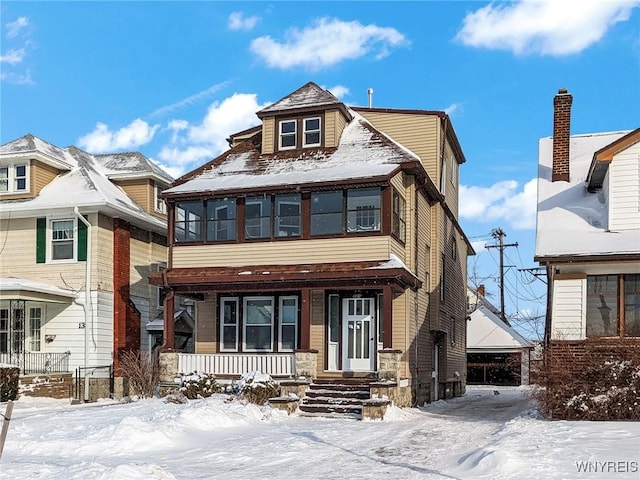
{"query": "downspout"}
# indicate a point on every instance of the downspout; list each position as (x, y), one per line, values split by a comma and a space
(416, 256)
(87, 302)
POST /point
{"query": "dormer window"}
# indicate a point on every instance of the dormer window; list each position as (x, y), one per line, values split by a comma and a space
(311, 133)
(161, 206)
(287, 135)
(14, 178)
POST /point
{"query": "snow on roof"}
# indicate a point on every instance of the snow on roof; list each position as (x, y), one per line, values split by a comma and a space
(363, 152)
(487, 331)
(13, 284)
(130, 164)
(567, 211)
(85, 185)
(309, 95)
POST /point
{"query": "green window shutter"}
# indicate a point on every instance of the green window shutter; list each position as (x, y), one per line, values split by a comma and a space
(41, 240)
(82, 241)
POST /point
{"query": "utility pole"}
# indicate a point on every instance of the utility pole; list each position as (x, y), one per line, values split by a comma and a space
(499, 235)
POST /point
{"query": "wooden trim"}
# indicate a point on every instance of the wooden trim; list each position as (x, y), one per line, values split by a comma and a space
(305, 319)
(387, 320)
(386, 212)
(570, 276)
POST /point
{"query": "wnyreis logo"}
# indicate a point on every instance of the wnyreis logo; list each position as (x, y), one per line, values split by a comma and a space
(607, 467)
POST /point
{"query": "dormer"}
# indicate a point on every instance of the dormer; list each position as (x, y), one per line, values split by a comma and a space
(310, 117)
(27, 165)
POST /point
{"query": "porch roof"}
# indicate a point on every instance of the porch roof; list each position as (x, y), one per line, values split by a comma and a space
(12, 288)
(364, 274)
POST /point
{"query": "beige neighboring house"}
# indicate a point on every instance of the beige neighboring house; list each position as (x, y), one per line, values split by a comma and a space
(80, 235)
(325, 244)
(588, 238)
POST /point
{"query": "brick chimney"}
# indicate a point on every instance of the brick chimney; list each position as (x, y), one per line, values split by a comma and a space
(561, 130)
(481, 290)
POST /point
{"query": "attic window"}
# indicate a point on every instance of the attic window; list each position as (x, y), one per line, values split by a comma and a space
(311, 133)
(14, 178)
(287, 134)
(160, 205)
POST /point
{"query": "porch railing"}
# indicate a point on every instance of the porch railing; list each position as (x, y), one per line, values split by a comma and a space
(37, 362)
(274, 364)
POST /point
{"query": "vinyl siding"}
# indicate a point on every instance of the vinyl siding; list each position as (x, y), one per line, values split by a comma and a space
(417, 132)
(624, 190)
(41, 175)
(334, 125)
(141, 192)
(282, 252)
(317, 326)
(103, 254)
(268, 134)
(567, 322)
(451, 197)
(400, 321)
(206, 333)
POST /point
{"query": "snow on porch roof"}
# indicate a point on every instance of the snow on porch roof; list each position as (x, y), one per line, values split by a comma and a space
(12, 288)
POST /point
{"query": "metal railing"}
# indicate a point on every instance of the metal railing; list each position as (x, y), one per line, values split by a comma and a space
(101, 372)
(37, 362)
(274, 364)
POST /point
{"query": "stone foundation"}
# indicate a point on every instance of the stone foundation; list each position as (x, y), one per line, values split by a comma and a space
(374, 409)
(306, 363)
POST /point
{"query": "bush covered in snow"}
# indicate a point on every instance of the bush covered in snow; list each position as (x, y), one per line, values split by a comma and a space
(9, 381)
(593, 386)
(199, 385)
(257, 387)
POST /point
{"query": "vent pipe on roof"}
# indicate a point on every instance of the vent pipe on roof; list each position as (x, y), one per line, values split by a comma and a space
(370, 94)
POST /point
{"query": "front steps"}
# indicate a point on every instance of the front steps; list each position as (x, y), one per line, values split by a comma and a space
(342, 398)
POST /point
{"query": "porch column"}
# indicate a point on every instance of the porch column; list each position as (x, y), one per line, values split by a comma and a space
(169, 307)
(305, 319)
(387, 317)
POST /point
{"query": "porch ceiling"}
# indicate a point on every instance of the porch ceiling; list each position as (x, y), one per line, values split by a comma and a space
(367, 274)
(12, 288)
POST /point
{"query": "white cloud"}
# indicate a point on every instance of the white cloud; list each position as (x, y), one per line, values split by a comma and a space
(14, 28)
(502, 201)
(13, 56)
(237, 21)
(326, 43)
(546, 27)
(339, 91)
(192, 144)
(17, 78)
(103, 140)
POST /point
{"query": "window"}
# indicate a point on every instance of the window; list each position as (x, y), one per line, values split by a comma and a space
(257, 217)
(604, 293)
(14, 178)
(221, 219)
(327, 213)
(443, 177)
(334, 318)
(258, 324)
(160, 205)
(442, 276)
(454, 248)
(287, 135)
(161, 293)
(287, 220)
(229, 316)
(288, 315)
(427, 269)
(399, 225)
(311, 132)
(62, 239)
(4, 330)
(35, 329)
(380, 317)
(363, 209)
(188, 221)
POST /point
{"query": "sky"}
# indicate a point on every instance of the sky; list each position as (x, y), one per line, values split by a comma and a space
(174, 79)
(479, 436)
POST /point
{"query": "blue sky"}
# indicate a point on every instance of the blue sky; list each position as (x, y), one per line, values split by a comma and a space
(174, 79)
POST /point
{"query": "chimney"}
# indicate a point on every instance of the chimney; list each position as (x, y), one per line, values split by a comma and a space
(481, 291)
(561, 130)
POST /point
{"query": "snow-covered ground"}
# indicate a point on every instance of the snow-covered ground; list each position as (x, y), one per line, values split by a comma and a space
(478, 436)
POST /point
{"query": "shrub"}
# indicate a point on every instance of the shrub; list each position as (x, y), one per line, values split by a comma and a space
(257, 387)
(594, 385)
(9, 381)
(199, 385)
(142, 370)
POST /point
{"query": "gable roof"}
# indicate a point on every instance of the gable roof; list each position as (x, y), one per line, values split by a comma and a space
(130, 165)
(566, 210)
(30, 145)
(486, 330)
(309, 96)
(85, 184)
(603, 157)
(364, 153)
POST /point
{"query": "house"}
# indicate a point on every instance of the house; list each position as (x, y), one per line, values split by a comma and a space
(325, 244)
(80, 235)
(496, 353)
(588, 239)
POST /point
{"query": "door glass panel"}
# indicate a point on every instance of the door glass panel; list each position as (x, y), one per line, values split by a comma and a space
(351, 339)
(358, 334)
(365, 337)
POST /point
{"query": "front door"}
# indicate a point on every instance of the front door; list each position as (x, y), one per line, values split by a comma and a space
(358, 334)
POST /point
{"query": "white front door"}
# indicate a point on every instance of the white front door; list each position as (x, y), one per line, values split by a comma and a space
(358, 334)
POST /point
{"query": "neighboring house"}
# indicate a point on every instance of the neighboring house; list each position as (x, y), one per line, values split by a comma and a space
(496, 353)
(328, 234)
(588, 238)
(70, 220)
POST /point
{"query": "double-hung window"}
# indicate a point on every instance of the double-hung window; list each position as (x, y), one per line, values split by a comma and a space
(35, 329)
(14, 178)
(399, 224)
(363, 209)
(221, 219)
(288, 316)
(327, 213)
(229, 320)
(4, 330)
(258, 323)
(257, 217)
(62, 239)
(288, 134)
(311, 132)
(288, 215)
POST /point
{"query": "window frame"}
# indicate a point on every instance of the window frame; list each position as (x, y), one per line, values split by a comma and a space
(160, 205)
(50, 240)
(228, 225)
(313, 215)
(261, 202)
(236, 324)
(282, 135)
(311, 131)
(281, 324)
(245, 324)
(12, 178)
(160, 293)
(35, 334)
(620, 303)
(361, 210)
(277, 221)
(398, 213)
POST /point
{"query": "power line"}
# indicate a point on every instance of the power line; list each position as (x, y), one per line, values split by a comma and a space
(499, 235)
